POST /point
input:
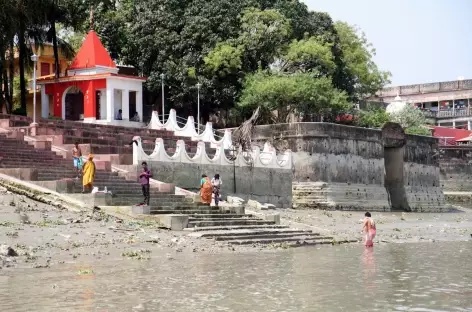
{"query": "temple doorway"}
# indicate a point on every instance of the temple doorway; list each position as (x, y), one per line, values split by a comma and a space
(74, 104)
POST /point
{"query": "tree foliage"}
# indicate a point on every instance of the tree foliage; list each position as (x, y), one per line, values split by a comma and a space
(412, 119)
(222, 44)
(372, 117)
(358, 56)
(409, 118)
(280, 95)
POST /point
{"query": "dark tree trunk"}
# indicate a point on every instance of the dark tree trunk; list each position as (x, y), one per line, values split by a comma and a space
(54, 46)
(22, 60)
(11, 75)
(6, 92)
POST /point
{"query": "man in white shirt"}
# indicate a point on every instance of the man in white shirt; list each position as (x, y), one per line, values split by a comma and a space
(216, 182)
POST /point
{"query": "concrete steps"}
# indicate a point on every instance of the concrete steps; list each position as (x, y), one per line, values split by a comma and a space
(339, 196)
(262, 235)
(237, 227)
(222, 222)
(290, 241)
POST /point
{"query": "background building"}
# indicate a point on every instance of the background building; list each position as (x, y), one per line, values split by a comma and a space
(447, 103)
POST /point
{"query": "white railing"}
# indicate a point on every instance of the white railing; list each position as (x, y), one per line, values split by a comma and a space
(188, 129)
(267, 158)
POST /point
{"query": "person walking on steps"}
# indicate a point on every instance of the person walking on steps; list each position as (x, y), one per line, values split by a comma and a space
(144, 180)
(205, 190)
(77, 157)
(216, 183)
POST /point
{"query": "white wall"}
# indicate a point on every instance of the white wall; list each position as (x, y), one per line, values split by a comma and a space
(125, 85)
(103, 104)
(118, 103)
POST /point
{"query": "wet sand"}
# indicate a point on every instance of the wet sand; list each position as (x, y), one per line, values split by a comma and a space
(392, 227)
(44, 236)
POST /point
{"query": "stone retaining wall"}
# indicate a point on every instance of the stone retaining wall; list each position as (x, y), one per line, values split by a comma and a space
(266, 185)
(398, 170)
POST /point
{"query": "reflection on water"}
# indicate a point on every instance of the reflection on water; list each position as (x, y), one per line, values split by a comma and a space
(394, 277)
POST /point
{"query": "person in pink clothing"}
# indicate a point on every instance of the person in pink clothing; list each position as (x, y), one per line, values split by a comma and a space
(368, 226)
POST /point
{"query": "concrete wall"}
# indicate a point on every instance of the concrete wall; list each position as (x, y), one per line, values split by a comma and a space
(351, 162)
(456, 170)
(266, 185)
(421, 174)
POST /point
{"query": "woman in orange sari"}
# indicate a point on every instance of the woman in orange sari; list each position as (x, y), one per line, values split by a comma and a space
(205, 190)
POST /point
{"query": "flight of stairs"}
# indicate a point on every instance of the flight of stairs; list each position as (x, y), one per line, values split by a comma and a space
(239, 229)
(339, 196)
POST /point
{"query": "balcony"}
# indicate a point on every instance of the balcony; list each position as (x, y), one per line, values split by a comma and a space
(449, 113)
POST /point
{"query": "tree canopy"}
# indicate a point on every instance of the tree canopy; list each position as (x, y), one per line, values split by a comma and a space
(241, 52)
(411, 118)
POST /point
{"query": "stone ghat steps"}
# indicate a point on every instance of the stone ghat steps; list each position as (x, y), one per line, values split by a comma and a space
(290, 241)
(155, 202)
(205, 222)
(229, 227)
(263, 236)
(183, 211)
(339, 196)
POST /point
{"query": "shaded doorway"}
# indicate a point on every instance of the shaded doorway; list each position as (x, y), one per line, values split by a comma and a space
(394, 178)
(394, 141)
(97, 105)
(74, 104)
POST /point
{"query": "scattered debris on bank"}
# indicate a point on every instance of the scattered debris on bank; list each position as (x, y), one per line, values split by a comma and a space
(38, 235)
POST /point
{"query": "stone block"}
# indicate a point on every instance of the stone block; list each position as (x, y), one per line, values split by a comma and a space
(175, 222)
(235, 200)
(43, 145)
(60, 186)
(141, 210)
(254, 204)
(16, 135)
(233, 209)
(103, 165)
(273, 217)
(94, 200)
(25, 174)
(102, 199)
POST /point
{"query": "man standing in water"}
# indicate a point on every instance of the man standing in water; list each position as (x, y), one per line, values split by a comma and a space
(144, 179)
(77, 157)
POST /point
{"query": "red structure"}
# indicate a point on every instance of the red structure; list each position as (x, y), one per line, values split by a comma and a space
(450, 136)
(93, 77)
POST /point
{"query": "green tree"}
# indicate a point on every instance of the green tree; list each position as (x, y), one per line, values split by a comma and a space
(358, 56)
(281, 95)
(372, 117)
(309, 55)
(411, 119)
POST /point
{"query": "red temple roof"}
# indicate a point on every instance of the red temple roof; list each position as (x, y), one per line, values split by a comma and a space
(92, 53)
(450, 136)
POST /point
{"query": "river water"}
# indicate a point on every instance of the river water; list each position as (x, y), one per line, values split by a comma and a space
(391, 277)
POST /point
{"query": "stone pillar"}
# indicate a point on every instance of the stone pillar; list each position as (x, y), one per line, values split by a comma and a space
(468, 125)
(468, 108)
(454, 124)
(125, 104)
(44, 102)
(110, 103)
(453, 107)
(139, 104)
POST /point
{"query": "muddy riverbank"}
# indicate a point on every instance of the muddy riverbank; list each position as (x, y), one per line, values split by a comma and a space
(42, 235)
(392, 227)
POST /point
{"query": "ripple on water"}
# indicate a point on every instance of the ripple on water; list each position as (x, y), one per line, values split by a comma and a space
(400, 277)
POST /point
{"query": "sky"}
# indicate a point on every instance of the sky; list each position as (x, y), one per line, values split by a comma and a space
(418, 41)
